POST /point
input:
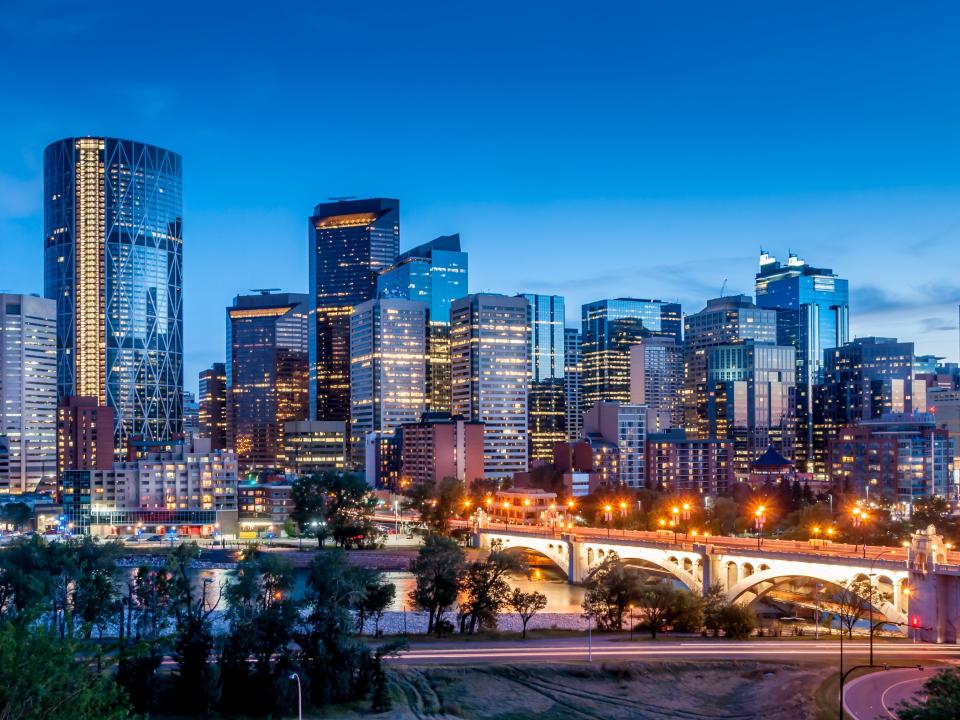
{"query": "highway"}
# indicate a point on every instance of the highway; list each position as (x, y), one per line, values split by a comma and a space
(617, 647)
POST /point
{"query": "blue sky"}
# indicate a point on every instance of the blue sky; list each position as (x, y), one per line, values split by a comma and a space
(587, 149)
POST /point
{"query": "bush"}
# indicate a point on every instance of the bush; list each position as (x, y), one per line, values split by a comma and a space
(737, 621)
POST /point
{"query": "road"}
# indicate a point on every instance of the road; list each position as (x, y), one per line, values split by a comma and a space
(877, 695)
(617, 647)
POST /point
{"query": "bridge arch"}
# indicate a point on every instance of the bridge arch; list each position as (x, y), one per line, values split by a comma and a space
(554, 550)
(681, 565)
(771, 577)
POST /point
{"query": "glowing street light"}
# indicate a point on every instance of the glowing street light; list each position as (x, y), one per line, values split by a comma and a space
(759, 519)
(608, 516)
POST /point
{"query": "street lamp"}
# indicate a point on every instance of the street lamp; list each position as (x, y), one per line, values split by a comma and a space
(607, 516)
(623, 516)
(819, 588)
(631, 622)
(294, 676)
(871, 596)
(759, 518)
(860, 518)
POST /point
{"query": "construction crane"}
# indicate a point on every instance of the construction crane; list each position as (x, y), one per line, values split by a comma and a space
(723, 288)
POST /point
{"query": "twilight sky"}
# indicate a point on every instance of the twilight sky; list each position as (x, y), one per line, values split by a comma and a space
(587, 149)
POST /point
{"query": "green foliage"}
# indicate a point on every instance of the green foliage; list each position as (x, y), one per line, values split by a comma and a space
(660, 604)
(378, 595)
(438, 567)
(484, 589)
(336, 504)
(611, 589)
(439, 504)
(40, 677)
(526, 605)
(16, 514)
(941, 702)
(737, 621)
(934, 511)
(853, 601)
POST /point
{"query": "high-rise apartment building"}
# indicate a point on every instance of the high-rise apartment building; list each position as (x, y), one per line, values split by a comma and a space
(441, 446)
(625, 426)
(724, 321)
(84, 435)
(681, 465)
(489, 358)
(213, 405)
(656, 378)
(572, 383)
(434, 273)
(547, 412)
(351, 242)
(813, 315)
(388, 375)
(28, 391)
(113, 262)
(610, 327)
(266, 374)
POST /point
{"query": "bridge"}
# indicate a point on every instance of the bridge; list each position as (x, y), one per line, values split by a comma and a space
(922, 581)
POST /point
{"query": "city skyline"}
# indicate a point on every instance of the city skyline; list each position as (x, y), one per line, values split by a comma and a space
(842, 156)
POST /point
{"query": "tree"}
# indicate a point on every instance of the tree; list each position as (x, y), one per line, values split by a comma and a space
(334, 503)
(687, 612)
(714, 602)
(526, 605)
(310, 507)
(377, 596)
(655, 603)
(439, 504)
(41, 677)
(854, 599)
(737, 621)
(611, 589)
(485, 589)
(933, 510)
(941, 701)
(437, 569)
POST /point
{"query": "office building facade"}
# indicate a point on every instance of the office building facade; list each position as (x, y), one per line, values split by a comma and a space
(489, 358)
(315, 446)
(610, 327)
(813, 315)
(266, 374)
(656, 378)
(724, 321)
(547, 413)
(435, 273)
(113, 262)
(212, 405)
(350, 243)
(388, 374)
(28, 392)
(84, 435)
(441, 446)
(573, 383)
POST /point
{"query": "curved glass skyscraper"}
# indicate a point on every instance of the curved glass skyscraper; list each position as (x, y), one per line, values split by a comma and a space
(113, 260)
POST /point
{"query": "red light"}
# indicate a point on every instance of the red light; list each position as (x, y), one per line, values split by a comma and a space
(915, 621)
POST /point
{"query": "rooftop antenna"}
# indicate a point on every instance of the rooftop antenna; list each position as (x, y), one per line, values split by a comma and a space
(264, 291)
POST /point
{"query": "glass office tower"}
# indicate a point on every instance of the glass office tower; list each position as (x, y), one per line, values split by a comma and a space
(351, 242)
(610, 327)
(813, 315)
(113, 261)
(434, 273)
(266, 375)
(547, 409)
(572, 383)
(213, 405)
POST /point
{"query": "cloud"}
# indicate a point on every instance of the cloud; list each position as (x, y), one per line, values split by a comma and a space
(937, 324)
(873, 300)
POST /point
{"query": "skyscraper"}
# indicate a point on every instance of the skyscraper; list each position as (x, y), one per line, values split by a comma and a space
(28, 391)
(113, 261)
(724, 321)
(610, 327)
(572, 383)
(624, 425)
(751, 398)
(813, 315)
(388, 376)
(434, 273)
(489, 357)
(351, 242)
(191, 414)
(656, 378)
(266, 374)
(213, 405)
(547, 412)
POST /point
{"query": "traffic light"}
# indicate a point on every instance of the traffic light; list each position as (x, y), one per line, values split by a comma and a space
(915, 621)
